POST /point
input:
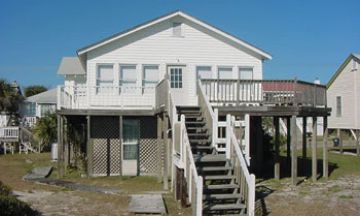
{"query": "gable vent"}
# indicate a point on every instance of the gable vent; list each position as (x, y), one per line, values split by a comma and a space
(177, 29)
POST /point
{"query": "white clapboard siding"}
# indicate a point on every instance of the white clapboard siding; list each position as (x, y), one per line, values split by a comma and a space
(345, 86)
(157, 45)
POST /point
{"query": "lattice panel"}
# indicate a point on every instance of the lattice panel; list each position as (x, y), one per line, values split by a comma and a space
(115, 157)
(148, 149)
(100, 157)
(148, 156)
(105, 134)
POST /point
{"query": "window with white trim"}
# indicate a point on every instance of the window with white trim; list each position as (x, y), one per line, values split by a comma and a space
(177, 29)
(104, 78)
(203, 72)
(150, 75)
(176, 77)
(338, 106)
(246, 73)
(225, 73)
(128, 78)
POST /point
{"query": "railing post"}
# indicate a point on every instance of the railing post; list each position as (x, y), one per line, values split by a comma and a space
(247, 138)
(228, 137)
(88, 89)
(251, 196)
(315, 95)
(199, 196)
(215, 128)
(58, 97)
(295, 92)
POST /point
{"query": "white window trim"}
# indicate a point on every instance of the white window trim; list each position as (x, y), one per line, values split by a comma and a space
(227, 67)
(337, 113)
(128, 65)
(143, 73)
(204, 65)
(246, 67)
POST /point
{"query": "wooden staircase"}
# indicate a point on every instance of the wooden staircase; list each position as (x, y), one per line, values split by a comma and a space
(220, 194)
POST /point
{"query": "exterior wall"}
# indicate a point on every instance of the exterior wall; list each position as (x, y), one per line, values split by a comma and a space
(157, 45)
(72, 80)
(345, 86)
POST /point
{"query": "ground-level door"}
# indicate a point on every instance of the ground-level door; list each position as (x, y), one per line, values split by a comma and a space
(130, 147)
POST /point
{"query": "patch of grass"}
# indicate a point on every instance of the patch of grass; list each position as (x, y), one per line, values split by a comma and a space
(335, 189)
(346, 197)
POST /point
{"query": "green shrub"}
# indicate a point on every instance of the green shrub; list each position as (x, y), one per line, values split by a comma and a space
(10, 205)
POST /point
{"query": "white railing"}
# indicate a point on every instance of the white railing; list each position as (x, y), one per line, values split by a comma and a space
(29, 121)
(194, 181)
(9, 133)
(105, 97)
(208, 112)
(243, 178)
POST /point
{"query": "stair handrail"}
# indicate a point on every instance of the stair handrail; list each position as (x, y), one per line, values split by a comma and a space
(209, 113)
(193, 179)
(242, 175)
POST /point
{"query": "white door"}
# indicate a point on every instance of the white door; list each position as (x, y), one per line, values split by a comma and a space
(130, 147)
(178, 87)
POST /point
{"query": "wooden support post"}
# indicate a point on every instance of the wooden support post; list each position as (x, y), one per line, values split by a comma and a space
(166, 156)
(288, 138)
(293, 139)
(304, 137)
(159, 142)
(357, 142)
(66, 143)
(325, 149)
(121, 142)
(89, 147)
(277, 149)
(338, 134)
(314, 149)
(60, 145)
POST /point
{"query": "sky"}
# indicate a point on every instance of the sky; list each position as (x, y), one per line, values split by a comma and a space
(307, 38)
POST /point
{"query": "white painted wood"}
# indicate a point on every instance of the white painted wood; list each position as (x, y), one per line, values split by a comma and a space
(156, 45)
(345, 86)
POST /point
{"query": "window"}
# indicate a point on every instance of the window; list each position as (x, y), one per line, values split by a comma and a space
(338, 106)
(104, 78)
(204, 72)
(246, 73)
(177, 29)
(225, 73)
(150, 76)
(128, 78)
(131, 134)
(176, 77)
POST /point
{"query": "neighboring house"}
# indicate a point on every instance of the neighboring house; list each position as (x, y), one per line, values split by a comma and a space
(343, 93)
(182, 100)
(37, 106)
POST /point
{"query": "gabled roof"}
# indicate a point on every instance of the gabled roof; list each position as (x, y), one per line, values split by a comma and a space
(122, 34)
(44, 97)
(70, 66)
(342, 66)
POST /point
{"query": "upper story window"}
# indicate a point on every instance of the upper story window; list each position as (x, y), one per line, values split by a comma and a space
(338, 106)
(246, 73)
(176, 77)
(150, 75)
(203, 72)
(225, 73)
(104, 78)
(128, 77)
(177, 31)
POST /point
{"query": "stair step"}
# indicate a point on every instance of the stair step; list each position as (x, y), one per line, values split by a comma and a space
(221, 196)
(216, 168)
(199, 134)
(210, 158)
(195, 122)
(221, 207)
(219, 177)
(221, 186)
(202, 147)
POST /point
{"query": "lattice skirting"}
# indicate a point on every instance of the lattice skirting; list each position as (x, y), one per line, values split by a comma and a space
(106, 157)
(148, 157)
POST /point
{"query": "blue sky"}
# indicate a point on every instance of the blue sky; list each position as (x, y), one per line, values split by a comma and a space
(306, 38)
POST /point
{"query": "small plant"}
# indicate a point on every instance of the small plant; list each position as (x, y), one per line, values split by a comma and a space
(46, 130)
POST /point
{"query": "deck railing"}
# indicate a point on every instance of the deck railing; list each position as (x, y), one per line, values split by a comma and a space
(243, 178)
(193, 180)
(211, 117)
(9, 133)
(105, 97)
(289, 92)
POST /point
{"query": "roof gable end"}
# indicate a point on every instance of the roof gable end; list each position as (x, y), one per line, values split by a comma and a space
(135, 29)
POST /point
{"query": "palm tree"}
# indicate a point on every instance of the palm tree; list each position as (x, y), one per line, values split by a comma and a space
(45, 130)
(10, 97)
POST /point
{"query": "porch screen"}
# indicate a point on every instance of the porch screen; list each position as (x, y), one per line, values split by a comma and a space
(246, 73)
(104, 78)
(150, 76)
(128, 78)
(225, 73)
(204, 72)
